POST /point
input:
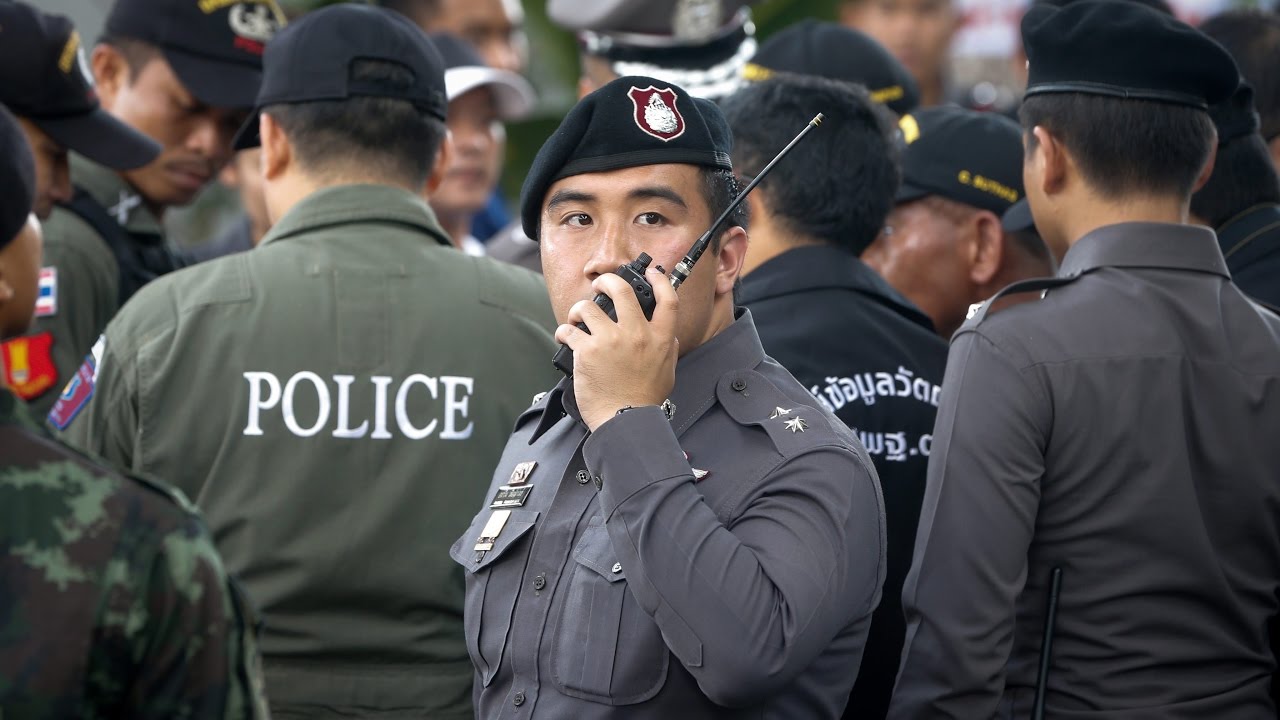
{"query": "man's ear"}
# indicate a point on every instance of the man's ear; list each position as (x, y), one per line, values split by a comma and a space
(1208, 167)
(733, 251)
(1052, 161)
(444, 156)
(110, 74)
(277, 153)
(985, 253)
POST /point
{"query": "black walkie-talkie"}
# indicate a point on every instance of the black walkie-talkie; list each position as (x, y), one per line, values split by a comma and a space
(633, 272)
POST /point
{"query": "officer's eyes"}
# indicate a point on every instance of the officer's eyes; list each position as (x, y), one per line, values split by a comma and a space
(650, 218)
(578, 220)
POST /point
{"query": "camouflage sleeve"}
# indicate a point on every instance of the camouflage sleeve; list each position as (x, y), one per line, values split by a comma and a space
(188, 630)
(86, 297)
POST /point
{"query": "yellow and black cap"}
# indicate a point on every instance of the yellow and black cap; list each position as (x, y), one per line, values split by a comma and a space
(311, 60)
(825, 49)
(214, 46)
(970, 157)
(45, 78)
(1124, 50)
(17, 178)
(630, 121)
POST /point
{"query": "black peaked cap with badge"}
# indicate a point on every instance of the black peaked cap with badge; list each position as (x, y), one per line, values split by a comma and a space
(701, 45)
(312, 58)
(971, 157)
(829, 50)
(215, 47)
(17, 178)
(1124, 50)
(45, 78)
(630, 121)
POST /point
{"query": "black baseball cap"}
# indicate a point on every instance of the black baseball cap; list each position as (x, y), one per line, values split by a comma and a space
(214, 46)
(1018, 218)
(311, 60)
(971, 157)
(465, 70)
(825, 49)
(45, 79)
(629, 122)
(1124, 50)
(17, 178)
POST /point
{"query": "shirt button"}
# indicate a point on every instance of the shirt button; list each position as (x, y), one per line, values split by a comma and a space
(539, 582)
(518, 700)
(583, 477)
(599, 483)
(738, 385)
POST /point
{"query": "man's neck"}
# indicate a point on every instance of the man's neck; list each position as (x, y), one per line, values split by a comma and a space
(1089, 215)
(769, 240)
(456, 226)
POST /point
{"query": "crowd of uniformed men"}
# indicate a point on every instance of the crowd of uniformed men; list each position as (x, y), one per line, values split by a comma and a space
(323, 465)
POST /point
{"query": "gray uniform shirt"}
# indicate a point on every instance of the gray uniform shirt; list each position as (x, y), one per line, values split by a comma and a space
(1125, 429)
(625, 587)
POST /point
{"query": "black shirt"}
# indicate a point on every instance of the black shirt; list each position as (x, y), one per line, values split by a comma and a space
(867, 353)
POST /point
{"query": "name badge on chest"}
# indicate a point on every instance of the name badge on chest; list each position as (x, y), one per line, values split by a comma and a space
(516, 491)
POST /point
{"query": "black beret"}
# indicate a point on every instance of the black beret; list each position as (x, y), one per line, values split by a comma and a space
(1236, 117)
(825, 49)
(1124, 50)
(17, 178)
(971, 157)
(631, 121)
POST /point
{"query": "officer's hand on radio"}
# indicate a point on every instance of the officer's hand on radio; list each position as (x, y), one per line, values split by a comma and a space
(628, 363)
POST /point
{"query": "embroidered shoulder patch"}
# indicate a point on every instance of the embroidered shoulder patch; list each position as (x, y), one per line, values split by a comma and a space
(28, 365)
(78, 392)
(47, 300)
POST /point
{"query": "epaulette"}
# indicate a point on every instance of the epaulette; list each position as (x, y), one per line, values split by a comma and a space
(751, 399)
(978, 311)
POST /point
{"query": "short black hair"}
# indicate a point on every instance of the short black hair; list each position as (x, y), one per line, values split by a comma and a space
(838, 184)
(1157, 5)
(719, 188)
(388, 137)
(1253, 39)
(136, 53)
(1243, 176)
(1126, 146)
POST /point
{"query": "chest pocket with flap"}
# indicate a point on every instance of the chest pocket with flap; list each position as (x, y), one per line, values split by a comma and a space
(493, 584)
(606, 648)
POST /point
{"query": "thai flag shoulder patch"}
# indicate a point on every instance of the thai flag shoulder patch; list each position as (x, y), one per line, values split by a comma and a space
(47, 300)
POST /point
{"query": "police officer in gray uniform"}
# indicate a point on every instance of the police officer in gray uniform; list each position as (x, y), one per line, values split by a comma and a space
(1110, 445)
(677, 530)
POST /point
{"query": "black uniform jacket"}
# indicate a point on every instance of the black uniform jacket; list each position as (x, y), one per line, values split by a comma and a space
(869, 355)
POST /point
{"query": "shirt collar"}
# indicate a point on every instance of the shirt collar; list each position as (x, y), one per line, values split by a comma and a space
(737, 347)
(824, 266)
(348, 204)
(121, 201)
(1146, 245)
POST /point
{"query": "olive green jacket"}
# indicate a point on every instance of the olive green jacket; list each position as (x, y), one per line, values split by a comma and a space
(84, 277)
(335, 400)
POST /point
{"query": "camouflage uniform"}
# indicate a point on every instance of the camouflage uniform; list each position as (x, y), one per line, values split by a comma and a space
(114, 602)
